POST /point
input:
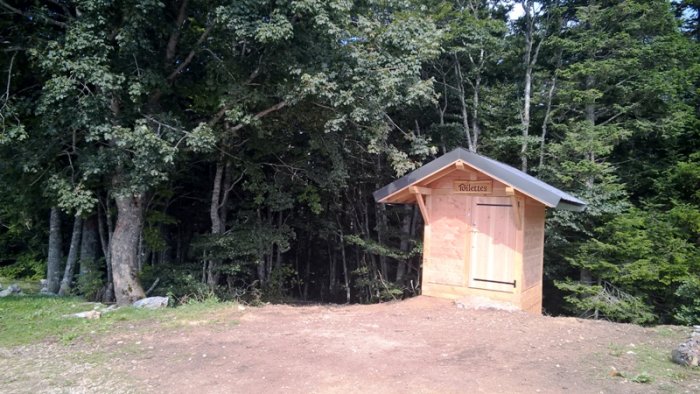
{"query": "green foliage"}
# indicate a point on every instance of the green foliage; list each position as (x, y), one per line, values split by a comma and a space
(688, 310)
(181, 283)
(245, 243)
(372, 288)
(378, 249)
(606, 302)
(91, 283)
(645, 253)
(72, 198)
(28, 266)
(278, 286)
(152, 234)
(642, 378)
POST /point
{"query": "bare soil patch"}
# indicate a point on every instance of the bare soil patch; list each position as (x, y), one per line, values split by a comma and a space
(419, 345)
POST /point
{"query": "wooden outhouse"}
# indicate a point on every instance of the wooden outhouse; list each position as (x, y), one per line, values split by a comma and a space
(484, 227)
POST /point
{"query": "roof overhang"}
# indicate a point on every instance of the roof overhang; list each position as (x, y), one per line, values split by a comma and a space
(520, 181)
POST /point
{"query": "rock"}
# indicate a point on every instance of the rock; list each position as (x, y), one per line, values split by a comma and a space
(241, 308)
(483, 303)
(152, 302)
(110, 308)
(12, 289)
(87, 315)
(688, 352)
(44, 286)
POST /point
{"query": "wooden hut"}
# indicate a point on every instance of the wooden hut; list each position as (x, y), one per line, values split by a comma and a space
(484, 227)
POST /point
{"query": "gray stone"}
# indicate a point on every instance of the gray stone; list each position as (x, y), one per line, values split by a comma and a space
(44, 286)
(12, 289)
(482, 303)
(152, 302)
(86, 315)
(688, 352)
(110, 308)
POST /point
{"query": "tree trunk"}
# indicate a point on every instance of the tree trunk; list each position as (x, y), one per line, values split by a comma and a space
(345, 267)
(307, 273)
(88, 245)
(104, 229)
(124, 249)
(331, 270)
(545, 122)
(586, 276)
(476, 130)
(213, 274)
(463, 104)
(381, 230)
(72, 257)
(53, 272)
(530, 61)
(405, 237)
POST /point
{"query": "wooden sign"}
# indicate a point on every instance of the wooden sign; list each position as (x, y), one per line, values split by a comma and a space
(472, 187)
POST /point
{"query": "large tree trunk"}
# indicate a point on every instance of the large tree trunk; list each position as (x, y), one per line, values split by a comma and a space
(463, 104)
(547, 117)
(223, 183)
(530, 61)
(124, 249)
(53, 272)
(88, 245)
(476, 129)
(72, 257)
(104, 229)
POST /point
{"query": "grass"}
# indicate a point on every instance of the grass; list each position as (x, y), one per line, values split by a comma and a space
(33, 318)
(27, 286)
(651, 363)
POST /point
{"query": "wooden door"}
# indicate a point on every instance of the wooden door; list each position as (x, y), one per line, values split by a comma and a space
(493, 238)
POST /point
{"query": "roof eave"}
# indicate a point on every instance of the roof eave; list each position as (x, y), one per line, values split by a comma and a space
(570, 206)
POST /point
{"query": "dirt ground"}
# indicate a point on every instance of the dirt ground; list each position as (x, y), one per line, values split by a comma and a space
(421, 345)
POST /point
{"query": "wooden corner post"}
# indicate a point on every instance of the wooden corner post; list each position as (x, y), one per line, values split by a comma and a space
(516, 206)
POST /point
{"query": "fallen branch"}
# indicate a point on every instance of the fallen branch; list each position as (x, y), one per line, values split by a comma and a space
(153, 286)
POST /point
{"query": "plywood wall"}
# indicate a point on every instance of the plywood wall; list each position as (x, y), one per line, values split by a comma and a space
(448, 236)
(448, 239)
(533, 244)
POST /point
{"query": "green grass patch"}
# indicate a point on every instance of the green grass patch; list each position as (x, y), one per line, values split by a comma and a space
(651, 364)
(33, 318)
(27, 286)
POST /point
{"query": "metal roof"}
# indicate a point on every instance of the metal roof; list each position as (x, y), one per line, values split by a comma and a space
(535, 188)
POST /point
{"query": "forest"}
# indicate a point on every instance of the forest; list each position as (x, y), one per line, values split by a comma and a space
(229, 148)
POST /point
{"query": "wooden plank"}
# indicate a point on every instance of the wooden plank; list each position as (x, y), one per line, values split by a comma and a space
(454, 292)
(516, 212)
(516, 207)
(472, 187)
(493, 254)
(420, 190)
(448, 236)
(423, 209)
